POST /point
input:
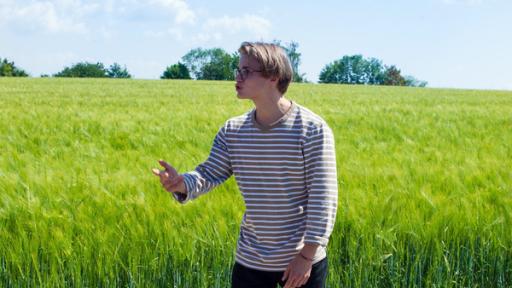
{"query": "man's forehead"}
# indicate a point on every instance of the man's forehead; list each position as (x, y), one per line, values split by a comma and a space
(249, 67)
(248, 62)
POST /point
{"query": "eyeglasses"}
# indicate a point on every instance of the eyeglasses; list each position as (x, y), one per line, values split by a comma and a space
(243, 73)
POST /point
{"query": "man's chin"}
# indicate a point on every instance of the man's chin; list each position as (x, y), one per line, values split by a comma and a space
(243, 95)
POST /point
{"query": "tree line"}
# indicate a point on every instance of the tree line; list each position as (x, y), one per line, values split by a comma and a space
(217, 64)
(356, 69)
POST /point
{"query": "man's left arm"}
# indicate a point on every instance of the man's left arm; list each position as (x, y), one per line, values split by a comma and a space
(322, 185)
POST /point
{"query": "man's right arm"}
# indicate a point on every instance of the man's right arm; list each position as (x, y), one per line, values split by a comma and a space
(209, 174)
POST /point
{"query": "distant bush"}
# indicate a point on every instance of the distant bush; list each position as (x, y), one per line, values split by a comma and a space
(116, 71)
(94, 70)
(176, 71)
(355, 69)
(84, 69)
(9, 69)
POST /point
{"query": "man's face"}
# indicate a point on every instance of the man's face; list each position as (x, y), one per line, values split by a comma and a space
(250, 84)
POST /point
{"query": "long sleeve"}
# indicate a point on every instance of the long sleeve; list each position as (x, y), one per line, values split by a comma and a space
(209, 174)
(322, 184)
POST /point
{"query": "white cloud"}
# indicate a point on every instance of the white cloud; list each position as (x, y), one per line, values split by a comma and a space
(98, 18)
(81, 16)
(215, 28)
(180, 8)
(247, 23)
(50, 16)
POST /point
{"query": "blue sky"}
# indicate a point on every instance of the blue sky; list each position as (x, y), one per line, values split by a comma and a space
(449, 43)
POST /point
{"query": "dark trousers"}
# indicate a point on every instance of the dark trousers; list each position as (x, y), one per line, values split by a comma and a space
(244, 277)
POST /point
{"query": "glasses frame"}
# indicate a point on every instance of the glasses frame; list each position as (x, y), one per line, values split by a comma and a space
(243, 73)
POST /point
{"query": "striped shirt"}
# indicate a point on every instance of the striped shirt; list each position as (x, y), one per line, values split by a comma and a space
(286, 172)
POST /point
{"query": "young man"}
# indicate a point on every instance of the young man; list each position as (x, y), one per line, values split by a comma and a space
(283, 159)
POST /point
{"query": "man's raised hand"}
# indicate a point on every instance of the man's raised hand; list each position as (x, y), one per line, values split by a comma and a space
(169, 177)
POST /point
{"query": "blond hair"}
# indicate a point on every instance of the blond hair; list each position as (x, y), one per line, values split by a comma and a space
(273, 60)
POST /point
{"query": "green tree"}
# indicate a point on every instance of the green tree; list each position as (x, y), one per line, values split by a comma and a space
(374, 71)
(353, 69)
(291, 50)
(116, 71)
(195, 59)
(219, 68)
(210, 64)
(356, 69)
(176, 71)
(84, 69)
(333, 72)
(9, 69)
(393, 77)
(343, 71)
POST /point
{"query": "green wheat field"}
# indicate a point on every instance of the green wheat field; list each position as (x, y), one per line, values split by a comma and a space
(425, 184)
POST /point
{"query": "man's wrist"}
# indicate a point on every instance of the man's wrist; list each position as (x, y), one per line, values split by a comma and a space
(309, 250)
(305, 258)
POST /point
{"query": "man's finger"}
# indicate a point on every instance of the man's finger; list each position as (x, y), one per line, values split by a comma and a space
(288, 283)
(304, 281)
(296, 281)
(301, 281)
(285, 275)
(156, 171)
(293, 281)
(161, 173)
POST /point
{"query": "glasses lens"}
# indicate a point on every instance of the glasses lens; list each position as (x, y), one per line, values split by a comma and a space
(242, 73)
(238, 73)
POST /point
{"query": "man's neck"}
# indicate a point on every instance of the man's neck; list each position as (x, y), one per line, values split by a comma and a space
(270, 109)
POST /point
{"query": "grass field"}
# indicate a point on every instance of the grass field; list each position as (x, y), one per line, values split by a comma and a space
(425, 181)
